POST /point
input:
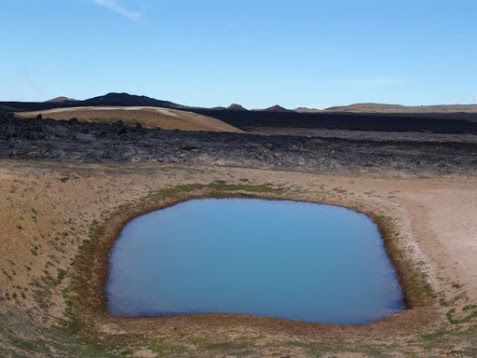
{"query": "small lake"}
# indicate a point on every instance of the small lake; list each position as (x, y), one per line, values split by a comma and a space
(282, 259)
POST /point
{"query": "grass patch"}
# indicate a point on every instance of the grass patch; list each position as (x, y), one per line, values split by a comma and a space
(217, 188)
(187, 188)
(417, 289)
(229, 347)
(9, 277)
(222, 187)
(167, 350)
(61, 275)
(433, 338)
(453, 320)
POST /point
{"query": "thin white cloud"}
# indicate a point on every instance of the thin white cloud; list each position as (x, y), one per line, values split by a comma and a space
(113, 5)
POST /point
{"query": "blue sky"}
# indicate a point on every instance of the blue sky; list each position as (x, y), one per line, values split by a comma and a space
(313, 53)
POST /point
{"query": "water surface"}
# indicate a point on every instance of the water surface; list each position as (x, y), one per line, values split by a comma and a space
(282, 259)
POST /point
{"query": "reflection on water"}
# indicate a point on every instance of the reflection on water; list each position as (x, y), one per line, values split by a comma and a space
(281, 259)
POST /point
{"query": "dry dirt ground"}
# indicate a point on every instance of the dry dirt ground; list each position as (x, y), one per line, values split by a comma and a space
(57, 222)
(149, 117)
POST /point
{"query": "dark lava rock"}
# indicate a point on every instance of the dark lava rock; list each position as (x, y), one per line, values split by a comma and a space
(74, 141)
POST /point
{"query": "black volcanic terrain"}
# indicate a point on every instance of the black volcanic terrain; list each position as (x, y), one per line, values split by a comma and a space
(259, 121)
(264, 121)
(73, 141)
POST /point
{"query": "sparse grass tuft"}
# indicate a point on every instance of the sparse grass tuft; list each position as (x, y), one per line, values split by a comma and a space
(216, 188)
(222, 187)
(417, 289)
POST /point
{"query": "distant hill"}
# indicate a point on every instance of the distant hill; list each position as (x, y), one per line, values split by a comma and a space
(108, 100)
(60, 99)
(237, 107)
(115, 99)
(396, 108)
(126, 99)
(276, 108)
(307, 110)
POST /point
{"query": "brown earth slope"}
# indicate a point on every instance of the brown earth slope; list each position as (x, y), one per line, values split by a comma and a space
(149, 117)
(58, 219)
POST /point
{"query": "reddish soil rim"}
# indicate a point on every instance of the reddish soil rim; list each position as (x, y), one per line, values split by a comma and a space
(93, 265)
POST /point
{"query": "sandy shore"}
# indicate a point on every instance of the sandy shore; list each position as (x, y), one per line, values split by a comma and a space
(50, 212)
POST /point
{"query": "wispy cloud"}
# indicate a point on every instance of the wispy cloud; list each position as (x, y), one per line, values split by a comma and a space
(113, 5)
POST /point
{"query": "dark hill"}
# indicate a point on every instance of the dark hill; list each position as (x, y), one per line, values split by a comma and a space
(276, 108)
(236, 107)
(126, 100)
(108, 100)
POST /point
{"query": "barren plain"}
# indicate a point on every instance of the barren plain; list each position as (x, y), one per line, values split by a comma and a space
(67, 189)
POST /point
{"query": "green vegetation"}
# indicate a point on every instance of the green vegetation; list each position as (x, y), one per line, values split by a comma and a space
(467, 318)
(220, 348)
(217, 188)
(221, 187)
(414, 282)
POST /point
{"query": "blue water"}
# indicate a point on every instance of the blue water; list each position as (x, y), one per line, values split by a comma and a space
(282, 259)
